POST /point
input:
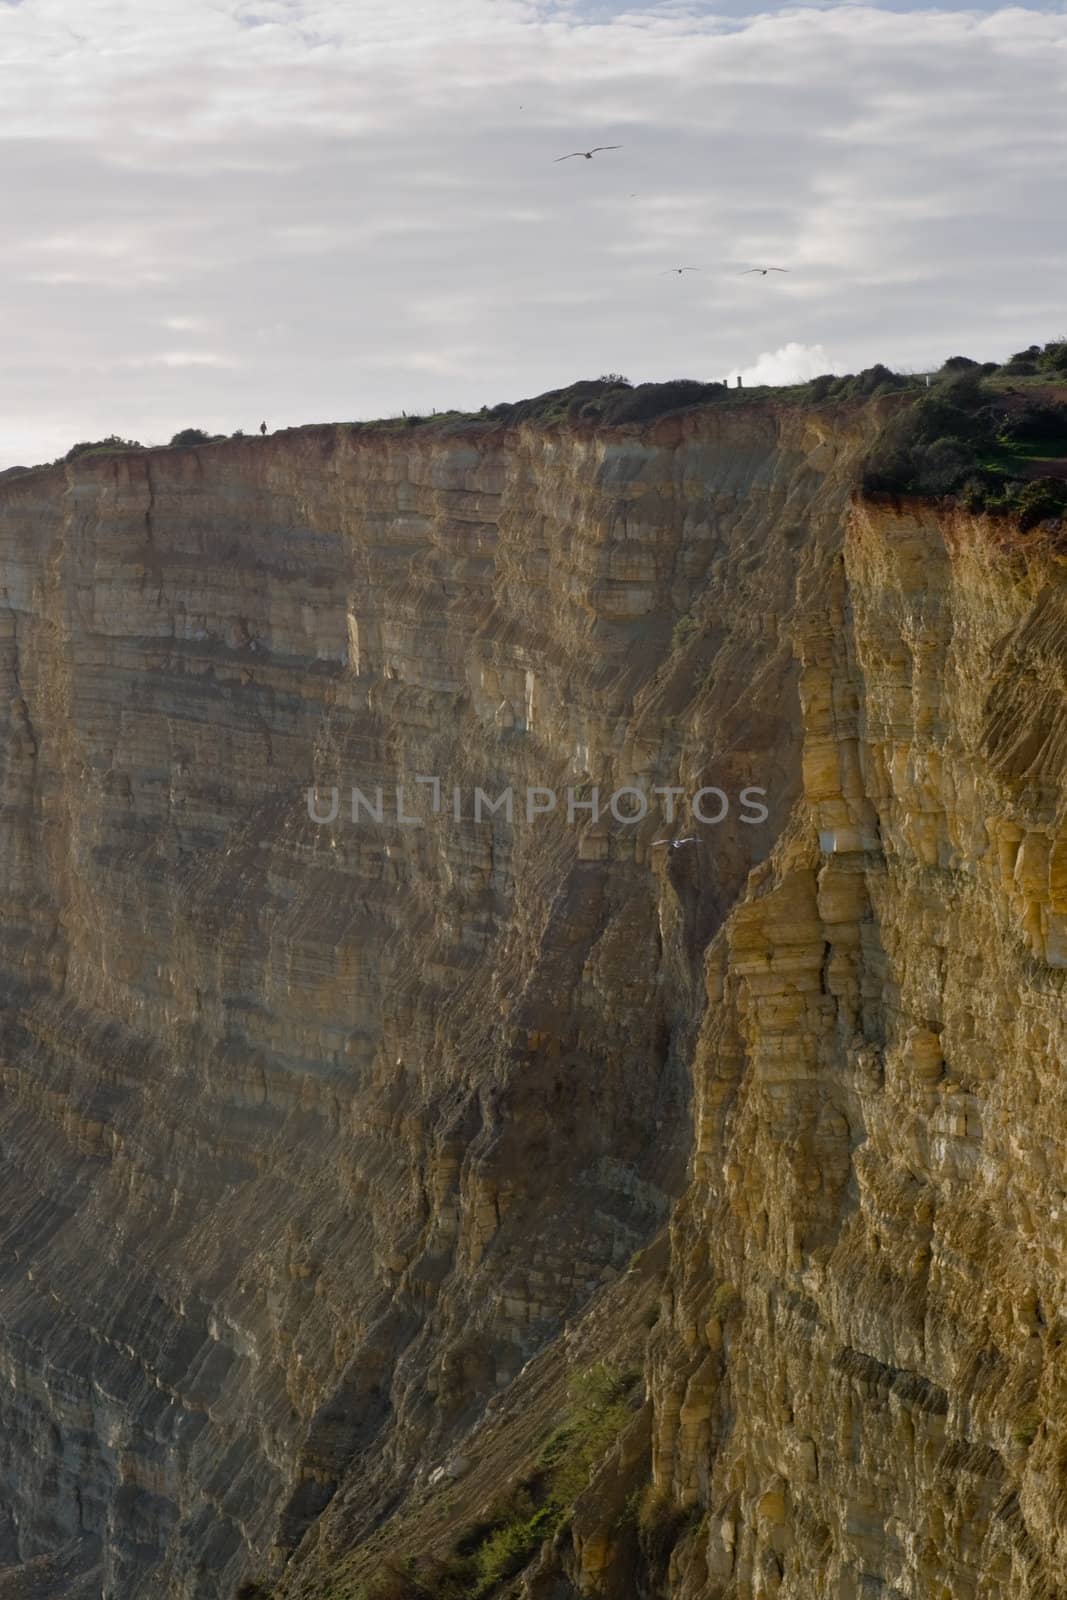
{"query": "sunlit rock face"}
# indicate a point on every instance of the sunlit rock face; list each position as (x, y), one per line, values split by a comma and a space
(880, 1108)
(322, 1141)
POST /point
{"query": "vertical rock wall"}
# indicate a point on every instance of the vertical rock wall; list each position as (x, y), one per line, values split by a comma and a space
(313, 1136)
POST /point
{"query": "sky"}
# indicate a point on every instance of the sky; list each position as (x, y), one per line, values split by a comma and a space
(217, 212)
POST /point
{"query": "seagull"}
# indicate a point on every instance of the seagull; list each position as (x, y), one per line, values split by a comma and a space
(764, 270)
(676, 844)
(589, 154)
(679, 270)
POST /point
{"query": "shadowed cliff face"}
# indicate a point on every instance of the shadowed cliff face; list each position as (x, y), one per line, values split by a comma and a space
(328, 1149)
(312, 1135)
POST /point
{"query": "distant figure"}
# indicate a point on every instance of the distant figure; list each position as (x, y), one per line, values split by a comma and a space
(263, 428)
(589, 154)
(739, 380)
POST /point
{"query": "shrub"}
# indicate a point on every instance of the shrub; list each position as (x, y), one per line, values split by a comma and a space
(1054, 357)
(683, 630)
(942, 466)
(498, 1548)
(821, 387)
(1037, 422)
(509, 1547)
(651, 400)
(958, 364)
(101, 447)
(555, 404)
(960, 389)
(1023, 363)
(190, 436)
(725, 1300)
(1041, 500)
(876, 380)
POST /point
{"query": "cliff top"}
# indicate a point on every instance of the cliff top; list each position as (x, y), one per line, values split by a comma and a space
(992, 436)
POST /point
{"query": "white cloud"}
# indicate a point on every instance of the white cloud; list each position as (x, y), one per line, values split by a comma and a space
(190, 358)
(352, 215)
(792, 363)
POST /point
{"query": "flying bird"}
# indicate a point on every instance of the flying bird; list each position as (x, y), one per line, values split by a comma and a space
(589, 154)
(679, 270)
(676, 844)
(764, 270)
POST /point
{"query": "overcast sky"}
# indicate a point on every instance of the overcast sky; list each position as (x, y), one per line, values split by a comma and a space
(215, 212)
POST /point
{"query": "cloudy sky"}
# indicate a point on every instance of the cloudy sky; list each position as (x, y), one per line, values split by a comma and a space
(218, 211)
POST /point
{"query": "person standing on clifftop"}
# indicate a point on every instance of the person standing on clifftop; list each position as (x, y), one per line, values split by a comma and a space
(263, 428)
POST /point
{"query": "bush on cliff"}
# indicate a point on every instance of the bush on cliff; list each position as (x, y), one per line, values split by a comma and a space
(958, 439)
(190, 436)
(556, 405)
(650, 400)
(497, 1549)
(856, 385)
(929, 449)
(1041, 500)
(1038, 360)
(100, 447)
(1038, 423)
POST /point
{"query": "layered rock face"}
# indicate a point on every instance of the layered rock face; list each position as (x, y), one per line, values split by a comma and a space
(324, 1143)
(313, 1132)
(880, 1104)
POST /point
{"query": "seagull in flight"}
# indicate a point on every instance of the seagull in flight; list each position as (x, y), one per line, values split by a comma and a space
(676, 844)
(764, 270)
(589, 154)
(679, 270)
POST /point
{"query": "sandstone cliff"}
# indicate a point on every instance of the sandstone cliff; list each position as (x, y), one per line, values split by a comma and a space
(328, 1150)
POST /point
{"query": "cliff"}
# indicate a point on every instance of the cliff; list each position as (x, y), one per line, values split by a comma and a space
(336, 1152)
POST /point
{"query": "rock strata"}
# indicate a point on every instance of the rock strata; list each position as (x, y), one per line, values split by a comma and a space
(327, 1147)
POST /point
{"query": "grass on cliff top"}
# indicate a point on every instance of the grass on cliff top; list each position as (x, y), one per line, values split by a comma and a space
(983, 441)
(601, 1404)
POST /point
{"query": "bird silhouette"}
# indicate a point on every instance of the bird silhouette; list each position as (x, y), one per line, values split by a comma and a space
(763, 270)
(676, 844)
(679, 270)
(589, 154)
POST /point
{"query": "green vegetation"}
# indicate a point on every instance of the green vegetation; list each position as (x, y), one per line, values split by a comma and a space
(498, 1548)
(972, 438)
(1026, 1427)
(725, 1300)
(99, 447)
(863, 385)
(190, 436)
(979, 433)
(1036, 360)
(683, 630)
